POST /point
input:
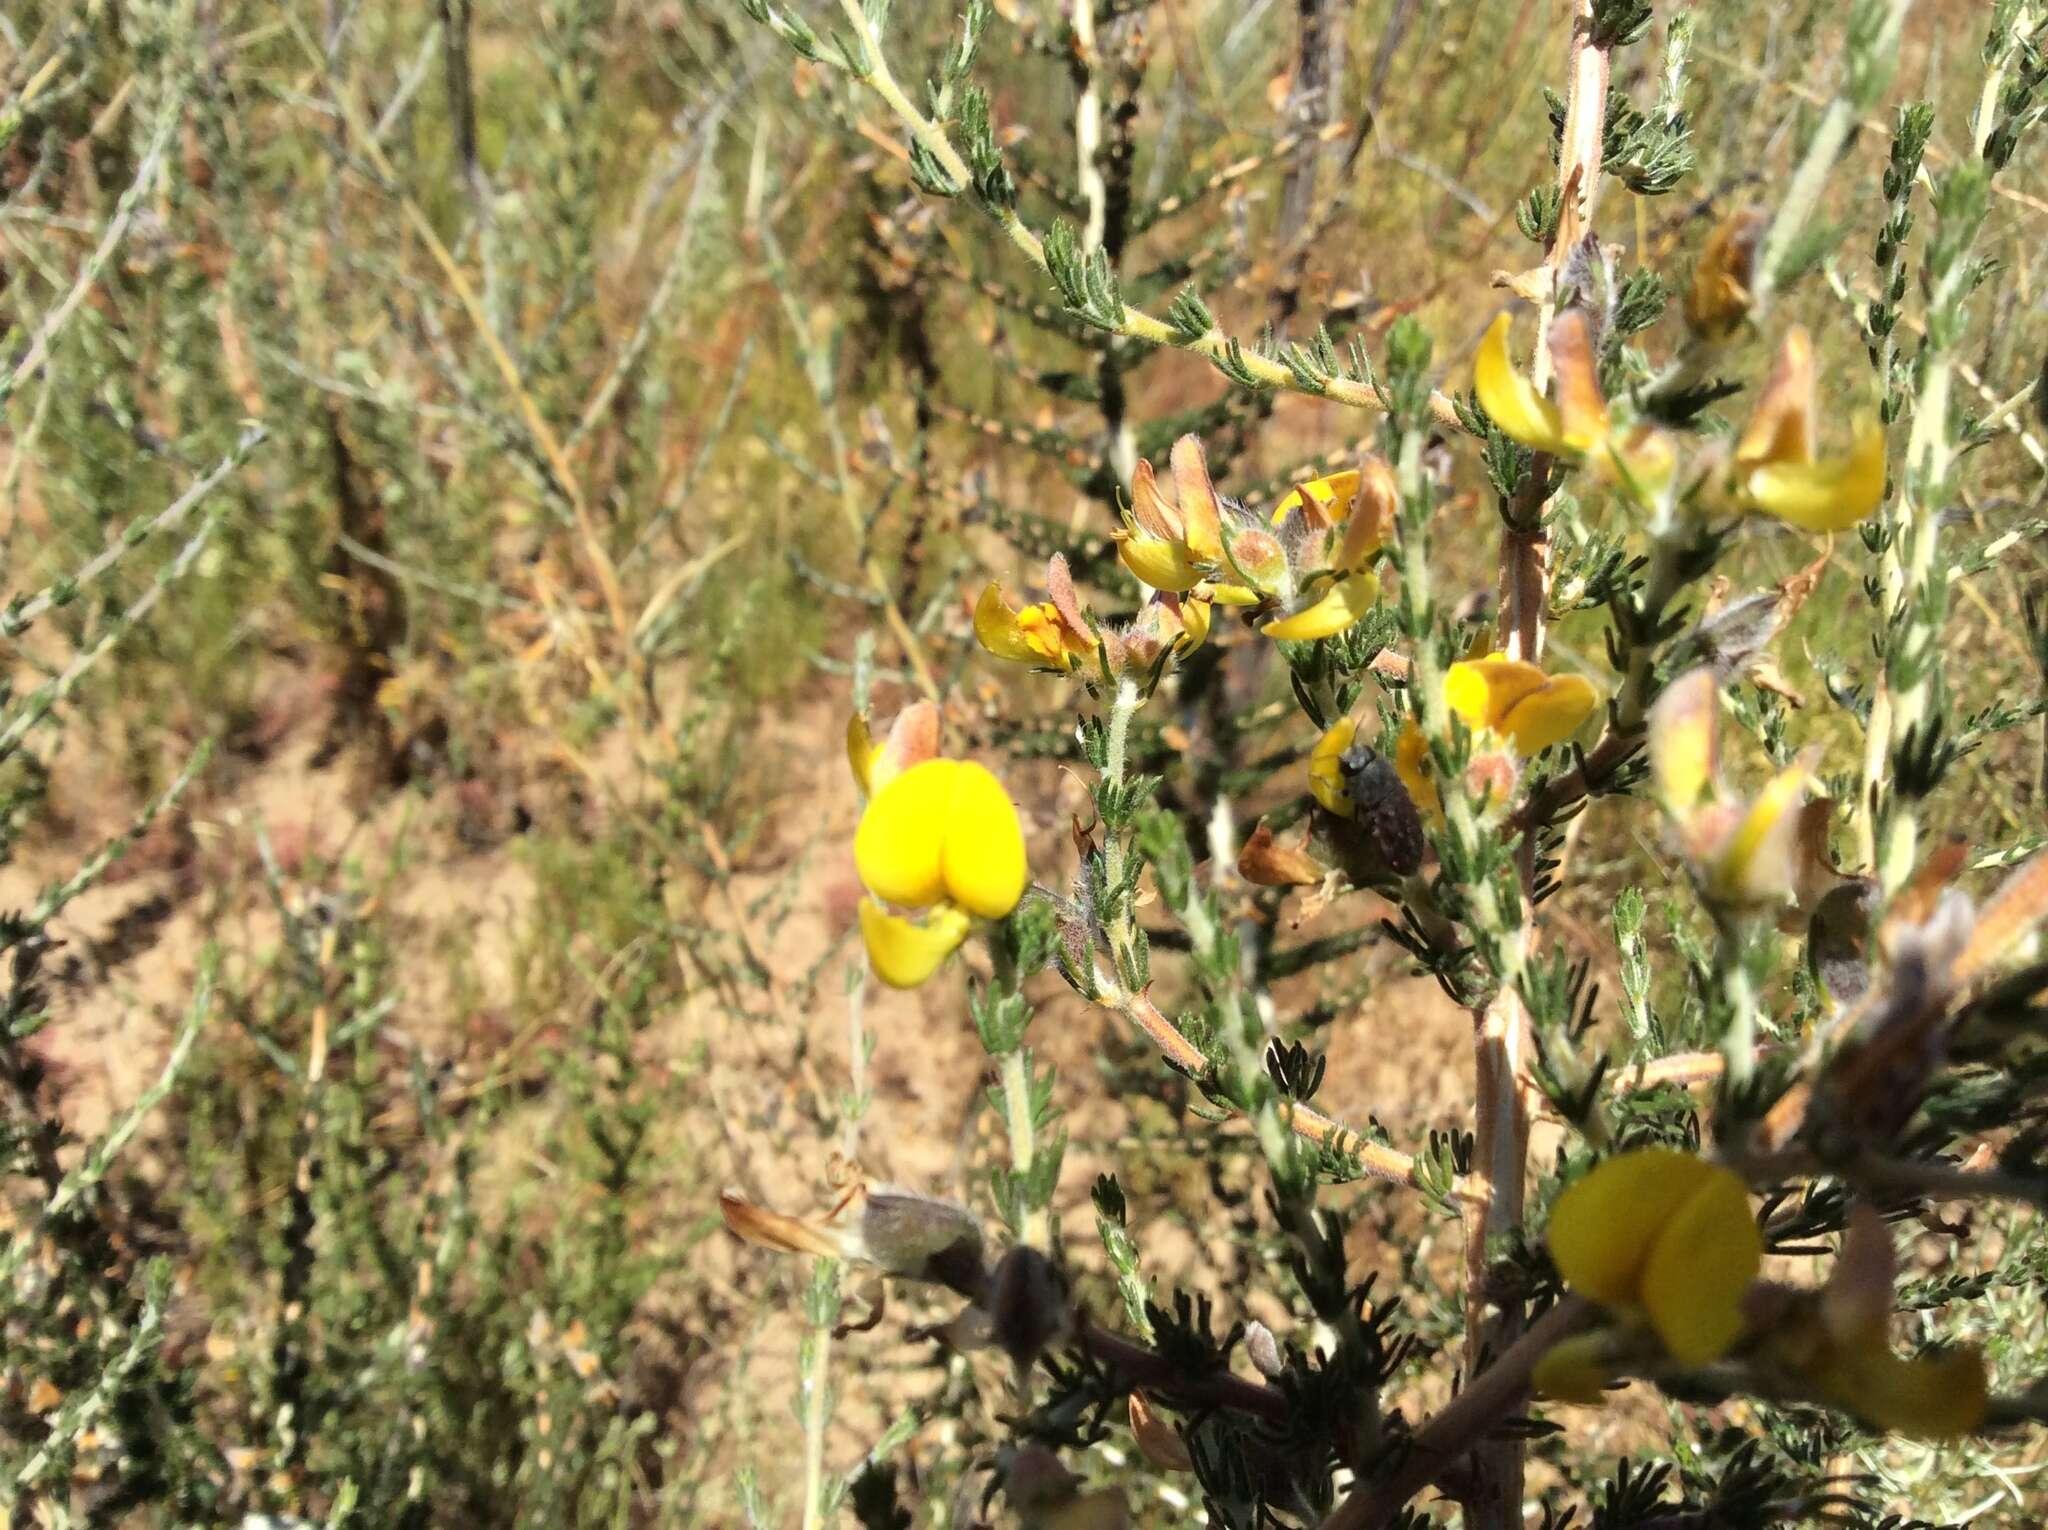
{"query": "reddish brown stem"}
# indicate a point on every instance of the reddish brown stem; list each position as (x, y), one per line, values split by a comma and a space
(1464, 1424)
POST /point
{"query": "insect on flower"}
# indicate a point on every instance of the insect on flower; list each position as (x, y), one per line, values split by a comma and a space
(1381, 804)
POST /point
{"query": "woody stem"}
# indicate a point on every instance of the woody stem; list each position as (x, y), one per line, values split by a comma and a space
(1501, 1041)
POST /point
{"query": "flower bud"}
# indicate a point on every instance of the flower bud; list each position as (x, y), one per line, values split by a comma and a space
(1263, 1350)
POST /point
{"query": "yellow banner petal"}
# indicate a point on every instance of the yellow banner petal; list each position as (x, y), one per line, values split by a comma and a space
(1702, 1265)
(1781, 430)
(1201, 517)
(982, 860)
(1581, 407)
(898, 846)
(1603, 1227)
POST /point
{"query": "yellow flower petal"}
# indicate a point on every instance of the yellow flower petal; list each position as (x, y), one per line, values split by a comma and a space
(1374, 509)
(1604, 1227)
(1162, 565)
(1682, 741)
(1702, 1264)
(982, 859)
(1200, 514)
(1345, 602)
(861, 752)
(1517, 700)
(1755, 864)
(1574, 1370)
(1484, 691)
(1824, 496)
(1581, 408)
(1233, 594)
(1325, 775)
(1195, 616)
(1931, 1397)
(1511, 400)
(899, 845)
(1551, 712)
(996, 628)
(904, 954)
(1409, 753)
(1781, 429)
(1045, 634)
(1332, 496)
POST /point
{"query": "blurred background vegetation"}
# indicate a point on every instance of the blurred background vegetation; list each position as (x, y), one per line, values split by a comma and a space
(525, 429)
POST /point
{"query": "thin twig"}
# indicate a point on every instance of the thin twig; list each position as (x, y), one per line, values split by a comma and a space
(1132, 323)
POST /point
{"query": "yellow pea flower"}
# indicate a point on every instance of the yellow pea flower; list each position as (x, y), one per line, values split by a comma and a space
(1048, 635)
(1931, 1396)
(1328, 498)
(1342, 602)
(1362, 501)
(1666, 1238)
(1518, 701)
(1823, 496)
(1775, 470)
(1747, 854)
(1511, 400)
(1172, 544)
(1846, 1355)
(943, 838)
(1306, 566)
(1755, 864)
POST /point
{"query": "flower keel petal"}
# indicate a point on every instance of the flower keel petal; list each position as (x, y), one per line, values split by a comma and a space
(904, 954)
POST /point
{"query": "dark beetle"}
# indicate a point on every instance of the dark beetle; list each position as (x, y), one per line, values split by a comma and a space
(1384, 810)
